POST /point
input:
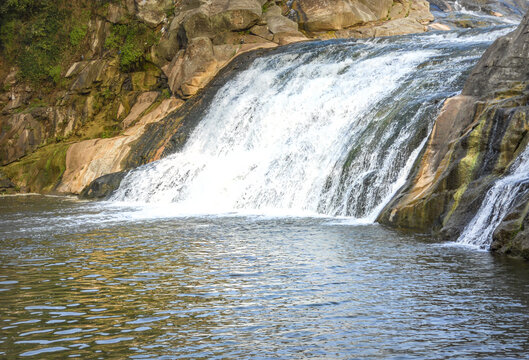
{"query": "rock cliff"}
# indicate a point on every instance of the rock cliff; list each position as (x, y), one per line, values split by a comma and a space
(85, 87)
(474, 141)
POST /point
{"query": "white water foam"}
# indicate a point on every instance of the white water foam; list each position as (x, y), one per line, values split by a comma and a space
(322, 130)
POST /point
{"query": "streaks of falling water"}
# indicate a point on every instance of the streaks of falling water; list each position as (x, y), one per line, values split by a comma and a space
(497, 203)
(328, 128)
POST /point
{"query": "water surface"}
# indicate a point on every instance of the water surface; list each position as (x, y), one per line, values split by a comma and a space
(97, 281)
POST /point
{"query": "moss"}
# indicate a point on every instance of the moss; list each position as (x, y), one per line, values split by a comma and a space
(466, 166)
(77, 34)
(40, 171)
(131, 41)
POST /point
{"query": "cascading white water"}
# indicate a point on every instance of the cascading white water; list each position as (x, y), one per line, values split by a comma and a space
(327, 128)
(497, 203)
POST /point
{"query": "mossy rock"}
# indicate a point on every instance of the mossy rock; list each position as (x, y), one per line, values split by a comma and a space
(40, 171)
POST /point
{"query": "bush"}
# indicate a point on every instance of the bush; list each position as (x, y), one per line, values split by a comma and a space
(77, 34)
(131, 42)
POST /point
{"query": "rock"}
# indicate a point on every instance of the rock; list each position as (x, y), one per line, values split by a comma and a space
(98, 30)
(511, 237)
(284, 38)
(280, 24)
(116, 14)
(262, 31)
(90, 159)
(328, 15)
(503, 66)
(423, 200)
(21, 134)
(142, 103)
(76, 68)
(441, 5)
(198, 20)
(420, 12)
(152, 12)
(103, 186)
(193, 68)
(90, 74)
(166, 107)
(168, 46)
(6, 186)
(475, 140)
(399, 27)
(439, 26)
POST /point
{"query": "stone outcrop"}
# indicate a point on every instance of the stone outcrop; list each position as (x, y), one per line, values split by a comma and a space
(474, 142)
(90, 159)
(102, 110)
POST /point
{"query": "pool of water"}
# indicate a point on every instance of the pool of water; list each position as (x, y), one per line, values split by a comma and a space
(95, 280)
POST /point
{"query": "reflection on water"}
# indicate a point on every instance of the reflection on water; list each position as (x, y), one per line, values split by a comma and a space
(90, 280)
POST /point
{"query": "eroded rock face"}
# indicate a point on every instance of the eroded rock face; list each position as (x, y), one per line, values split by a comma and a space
(21, 134)
(198, 38)
(90, 159)
(475, 140)
(103, 186)
(152, 12)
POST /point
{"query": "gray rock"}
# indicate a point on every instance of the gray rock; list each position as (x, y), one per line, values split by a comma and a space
(103, 186)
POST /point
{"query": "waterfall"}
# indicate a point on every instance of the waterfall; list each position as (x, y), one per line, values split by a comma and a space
(321, 128)
(497, 203)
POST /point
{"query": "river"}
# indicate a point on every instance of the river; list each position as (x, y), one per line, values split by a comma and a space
(98, 281)
(258, 240)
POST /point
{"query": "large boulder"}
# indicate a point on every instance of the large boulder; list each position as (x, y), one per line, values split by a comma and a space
(328, 15)
(152, 12)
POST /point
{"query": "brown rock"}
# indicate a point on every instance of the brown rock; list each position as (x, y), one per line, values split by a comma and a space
(142, 103)
(21, 134)
(152, 12)
(193, 68)
(328, 15)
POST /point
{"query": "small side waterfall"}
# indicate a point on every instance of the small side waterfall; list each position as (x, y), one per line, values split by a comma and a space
(322, 128)
(497, 203)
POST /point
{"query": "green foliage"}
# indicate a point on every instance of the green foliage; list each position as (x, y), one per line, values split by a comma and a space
(54, 72)
(131, 42)
(265, 6)
(77, 34)
(39, 35)
(166, 93)
(20, 7)
(32, 36)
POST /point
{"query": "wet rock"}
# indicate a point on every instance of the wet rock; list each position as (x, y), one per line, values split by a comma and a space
(103, 186)
(474, 142)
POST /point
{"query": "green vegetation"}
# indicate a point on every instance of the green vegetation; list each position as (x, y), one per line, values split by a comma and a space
(131, 41)
(77, 34)
(38, 36)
